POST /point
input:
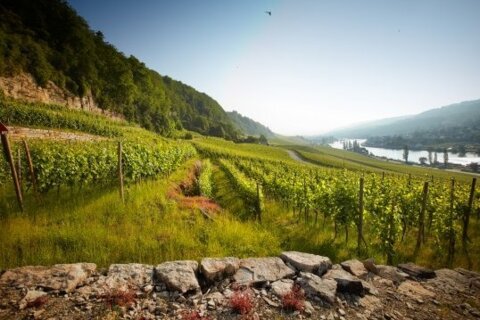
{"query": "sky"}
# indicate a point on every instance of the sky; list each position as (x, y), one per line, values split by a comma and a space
(310, 66)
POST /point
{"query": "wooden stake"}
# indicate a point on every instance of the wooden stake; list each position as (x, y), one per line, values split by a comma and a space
(19, 169)
(421, 222)
(8, 155)
(259, 205)
(360, 216)
(30, 166)
(468, 212)
(120, 171)
(451, 231)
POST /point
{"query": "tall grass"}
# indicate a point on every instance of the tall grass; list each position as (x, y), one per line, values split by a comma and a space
(93, 225)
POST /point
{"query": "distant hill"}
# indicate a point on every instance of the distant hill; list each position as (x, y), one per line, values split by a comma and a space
(249, 126)
(463, 114)
(50, 41)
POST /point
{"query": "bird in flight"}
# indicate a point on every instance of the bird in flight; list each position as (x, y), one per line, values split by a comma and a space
(268, 12)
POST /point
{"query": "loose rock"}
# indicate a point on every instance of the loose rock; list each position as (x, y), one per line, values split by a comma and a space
(282, 287)
(355, 267)
(60, 277)
(178, 275)
(255, 270)
(417, 271)
(307, 262)
(316, 286)
(30, 297)
(346, 282)
(215, 269)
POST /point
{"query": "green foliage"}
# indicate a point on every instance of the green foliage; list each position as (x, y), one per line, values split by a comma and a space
(57, 117)
(392, 203)
(80, 164)
(246, 187)
(47, 39)
(205, 179)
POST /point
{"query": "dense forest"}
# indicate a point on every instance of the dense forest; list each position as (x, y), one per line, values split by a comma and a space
(49, 40)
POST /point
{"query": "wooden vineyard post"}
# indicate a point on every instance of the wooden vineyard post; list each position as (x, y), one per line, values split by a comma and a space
(120, 171)
(305, 205)
(421, 218)
(8, 155)
(30, 166)
(390, 240)
(468, 212)
(259, 204)
(19, 169)
(451, 231)
(360, 216)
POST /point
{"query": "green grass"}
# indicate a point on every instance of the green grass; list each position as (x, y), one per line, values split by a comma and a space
(230, 148)
(93, 225)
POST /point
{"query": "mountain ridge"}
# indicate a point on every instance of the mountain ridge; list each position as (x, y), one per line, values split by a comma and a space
(456, 114)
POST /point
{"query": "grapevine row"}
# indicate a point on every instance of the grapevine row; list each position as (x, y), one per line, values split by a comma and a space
(85, 163)
(247, 188)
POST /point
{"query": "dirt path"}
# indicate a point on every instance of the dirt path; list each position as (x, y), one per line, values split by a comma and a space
(295, 156)
(19, 133)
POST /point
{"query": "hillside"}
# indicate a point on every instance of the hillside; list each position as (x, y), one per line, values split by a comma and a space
(249, 126)
(464, 114)
(48, 40)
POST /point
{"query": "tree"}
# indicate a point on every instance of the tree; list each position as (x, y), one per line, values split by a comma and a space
(462, 151)
(435, 158)
(423, 160)
(263, 140)
(445, 157)
(473, 166)
(405, 153)
(430, 156)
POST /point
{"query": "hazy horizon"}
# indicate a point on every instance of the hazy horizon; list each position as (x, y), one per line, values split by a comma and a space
(311, 66)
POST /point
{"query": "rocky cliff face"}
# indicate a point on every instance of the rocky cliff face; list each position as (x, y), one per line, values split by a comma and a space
(294, 285)
(23, 87)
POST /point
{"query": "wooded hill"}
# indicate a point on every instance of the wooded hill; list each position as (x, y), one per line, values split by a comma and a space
(49, 40)
(454, 126)
(464, 114)
(249, 126)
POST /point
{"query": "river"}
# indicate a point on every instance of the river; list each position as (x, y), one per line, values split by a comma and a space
(413, 155)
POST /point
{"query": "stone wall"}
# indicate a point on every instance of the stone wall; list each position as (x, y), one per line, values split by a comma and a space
(296, 285)
(24, 87)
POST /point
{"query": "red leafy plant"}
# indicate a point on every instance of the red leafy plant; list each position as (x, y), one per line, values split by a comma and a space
(241, 301)
(193, 315)
(119, 298)
(37, 303)
(294, 300)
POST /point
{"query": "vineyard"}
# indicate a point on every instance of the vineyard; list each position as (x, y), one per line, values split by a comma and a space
(386, 210)
(341, 204)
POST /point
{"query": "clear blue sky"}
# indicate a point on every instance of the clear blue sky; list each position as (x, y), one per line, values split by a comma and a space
(313, 65)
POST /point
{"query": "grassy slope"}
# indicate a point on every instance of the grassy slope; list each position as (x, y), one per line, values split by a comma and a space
(95, 226)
